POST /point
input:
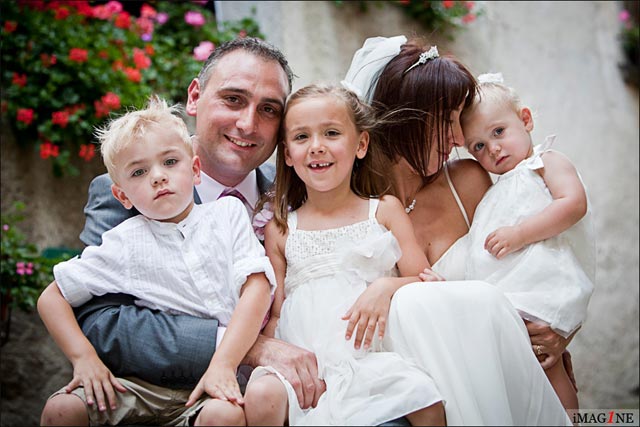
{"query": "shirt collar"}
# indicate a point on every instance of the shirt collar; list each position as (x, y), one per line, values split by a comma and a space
(209, 189)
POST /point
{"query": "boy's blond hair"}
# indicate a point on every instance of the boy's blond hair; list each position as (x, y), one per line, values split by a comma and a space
(131, 127)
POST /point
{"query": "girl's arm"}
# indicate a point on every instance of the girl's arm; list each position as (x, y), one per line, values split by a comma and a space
(88, 369)
(219, 380)
(371, 309)
(274, 245)
(569, 205)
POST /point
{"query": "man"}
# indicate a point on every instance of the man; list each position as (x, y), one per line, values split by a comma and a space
(238, 99)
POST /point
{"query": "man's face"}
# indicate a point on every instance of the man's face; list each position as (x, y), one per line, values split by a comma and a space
(238, 114)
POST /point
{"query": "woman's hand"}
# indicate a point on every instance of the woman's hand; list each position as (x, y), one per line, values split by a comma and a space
(219, 382)
(97, 380)
(547, 345)
(370, 309)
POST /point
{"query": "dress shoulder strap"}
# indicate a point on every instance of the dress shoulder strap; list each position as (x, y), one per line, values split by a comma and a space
(455, 196)
(292, 221)
(373, 207)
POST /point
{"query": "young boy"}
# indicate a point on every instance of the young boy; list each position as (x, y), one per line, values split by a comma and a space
(202, 260)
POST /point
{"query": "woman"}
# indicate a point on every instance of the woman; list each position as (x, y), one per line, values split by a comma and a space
(465, 334)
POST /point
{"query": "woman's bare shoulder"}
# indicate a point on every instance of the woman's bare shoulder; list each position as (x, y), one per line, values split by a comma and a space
(471, 181)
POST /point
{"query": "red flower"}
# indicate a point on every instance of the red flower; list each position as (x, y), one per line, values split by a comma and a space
(405, 2)
(242, 34)
(145, 26)
(141, 60)
(19, 79)
(101, 12)
(84, 9)
(10, 26)
(48, 60)
(149, 49)
(117, 65)
(123, 20)
(469, 17)
(62, 13)
(103, 54)
(448, 4)
(147, 11)
(78, 55)
(87, 152)
(111, 100)
(101, 109)
(469, 5)
(133, 74)
(47, 149)
(60, 118)
(25, 115)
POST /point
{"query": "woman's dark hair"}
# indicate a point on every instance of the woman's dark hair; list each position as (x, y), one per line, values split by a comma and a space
(430, 91)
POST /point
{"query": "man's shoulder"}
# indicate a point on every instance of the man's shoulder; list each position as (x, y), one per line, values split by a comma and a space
(265, 175)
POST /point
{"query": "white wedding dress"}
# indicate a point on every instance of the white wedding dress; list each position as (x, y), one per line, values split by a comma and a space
(474, 345)
(327, 270)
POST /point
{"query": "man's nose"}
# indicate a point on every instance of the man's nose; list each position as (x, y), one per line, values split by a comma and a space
(247, 120)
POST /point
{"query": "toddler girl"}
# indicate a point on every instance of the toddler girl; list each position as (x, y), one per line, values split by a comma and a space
(531, 233)
(337, 241)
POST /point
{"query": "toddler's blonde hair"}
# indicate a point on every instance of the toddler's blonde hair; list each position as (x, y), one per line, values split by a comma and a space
(125, 130)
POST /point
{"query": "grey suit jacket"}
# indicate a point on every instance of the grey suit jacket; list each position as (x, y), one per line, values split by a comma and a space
(168, 350)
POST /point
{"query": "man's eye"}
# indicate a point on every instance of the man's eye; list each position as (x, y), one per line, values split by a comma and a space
(171, 162)
(232, 99)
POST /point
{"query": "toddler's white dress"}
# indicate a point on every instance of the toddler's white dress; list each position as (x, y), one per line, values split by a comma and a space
(326, 272)
(551, 280)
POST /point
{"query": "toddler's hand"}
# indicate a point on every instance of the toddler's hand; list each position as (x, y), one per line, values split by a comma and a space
(219, 382)
(370, 309)
(97, 380)
(428, 275)
(503, 241)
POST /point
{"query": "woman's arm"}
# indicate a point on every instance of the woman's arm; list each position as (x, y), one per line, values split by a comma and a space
(569, 205)
(88, 369)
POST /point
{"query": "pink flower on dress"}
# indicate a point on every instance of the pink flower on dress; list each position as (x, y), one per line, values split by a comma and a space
(261, 219)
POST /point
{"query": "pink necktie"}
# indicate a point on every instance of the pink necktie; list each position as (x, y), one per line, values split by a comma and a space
(238, 195)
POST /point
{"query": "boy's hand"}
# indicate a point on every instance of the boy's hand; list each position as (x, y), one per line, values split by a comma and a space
(370, 309)
(428, 275)
(218, 382)
(97, 380)
(503, 241)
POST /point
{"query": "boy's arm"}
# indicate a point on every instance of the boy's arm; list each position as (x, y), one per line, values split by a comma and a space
(88, 369)
(569, 205)
(220, 378)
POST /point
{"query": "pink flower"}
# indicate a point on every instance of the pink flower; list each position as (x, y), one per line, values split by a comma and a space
(123, 20)
(624, 15)
(194, 18)
(469, 5)
(468, 18)
(242, 34)
(114, 7)
(5, 227)
(60, 118)
(22, 268)
(203, 50)
(78, 55)
(147, 11)
(162, 18)
(25, 115)
(261, 219)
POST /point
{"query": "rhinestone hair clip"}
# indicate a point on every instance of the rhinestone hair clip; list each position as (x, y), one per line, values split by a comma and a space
(424, 57)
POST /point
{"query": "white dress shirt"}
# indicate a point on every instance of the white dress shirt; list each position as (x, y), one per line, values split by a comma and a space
(195, 267)
(209, 189)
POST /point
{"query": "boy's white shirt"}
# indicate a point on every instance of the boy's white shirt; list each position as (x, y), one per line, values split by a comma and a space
(179, 268)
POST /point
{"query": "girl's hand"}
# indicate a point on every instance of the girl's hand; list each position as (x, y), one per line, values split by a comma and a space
(219, 382)
(97, 380)
(428, 275)
(503, 241)
(370, 309)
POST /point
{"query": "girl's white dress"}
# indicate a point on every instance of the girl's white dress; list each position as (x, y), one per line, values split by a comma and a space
(326, 272)
(551, 280)
(474, 345)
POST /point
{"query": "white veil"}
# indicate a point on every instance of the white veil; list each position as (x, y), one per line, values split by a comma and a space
(368, 62)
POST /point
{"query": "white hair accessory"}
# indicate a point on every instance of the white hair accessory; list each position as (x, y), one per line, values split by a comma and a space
(424, 57)
(491, 78)
(368, 62)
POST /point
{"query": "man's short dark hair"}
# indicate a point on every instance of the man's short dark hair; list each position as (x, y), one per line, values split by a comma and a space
(252, 45)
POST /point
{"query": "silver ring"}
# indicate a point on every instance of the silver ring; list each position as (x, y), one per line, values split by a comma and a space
(538, 349)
